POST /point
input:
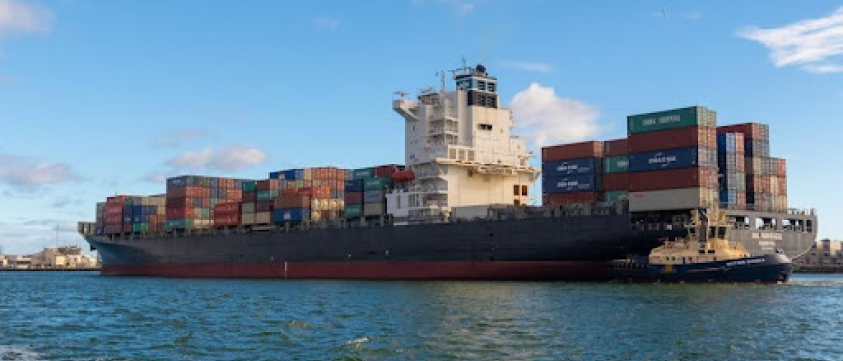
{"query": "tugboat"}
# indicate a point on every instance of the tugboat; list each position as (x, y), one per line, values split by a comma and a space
(705, 255)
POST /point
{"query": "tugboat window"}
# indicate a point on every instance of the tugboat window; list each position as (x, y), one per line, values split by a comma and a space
(722, 232)
(712, 232)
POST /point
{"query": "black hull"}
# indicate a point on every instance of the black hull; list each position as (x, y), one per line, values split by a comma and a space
(565, 248)
(774, 268)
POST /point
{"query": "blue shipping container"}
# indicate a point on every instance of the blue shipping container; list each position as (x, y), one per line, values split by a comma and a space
(183, 181)
(728, 197)
(672, 159)
(137, 210)
(354, 185)
(570, 167)
(140, 218)
(290, 215)
(275, 175)
(726, 143)
(568, 184)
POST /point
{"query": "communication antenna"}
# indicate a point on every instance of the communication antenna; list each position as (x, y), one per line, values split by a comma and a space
(400, 93)
(57, 235)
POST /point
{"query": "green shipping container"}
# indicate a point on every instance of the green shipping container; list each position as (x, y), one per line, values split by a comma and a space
(612, 196)
(353, 210)
(140, 227)
(619, 164)
(181, 223)
(363, 173)
(249, 186)
(267, 195)
(371, 184)
(670, 119)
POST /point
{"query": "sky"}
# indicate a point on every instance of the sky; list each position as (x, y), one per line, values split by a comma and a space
(104, 97)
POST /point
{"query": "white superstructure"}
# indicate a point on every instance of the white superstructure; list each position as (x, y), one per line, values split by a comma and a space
(458, 145)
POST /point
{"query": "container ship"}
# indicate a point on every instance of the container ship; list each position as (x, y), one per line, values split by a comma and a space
(460, 207)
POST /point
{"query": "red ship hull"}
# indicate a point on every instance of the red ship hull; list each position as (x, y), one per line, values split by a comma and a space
(377, 270)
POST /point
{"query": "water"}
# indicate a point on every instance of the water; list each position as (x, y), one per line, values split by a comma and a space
(82, 316)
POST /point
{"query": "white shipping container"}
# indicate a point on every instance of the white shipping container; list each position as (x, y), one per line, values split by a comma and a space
(263, 217)
(247, 218)
(372, 209)
(671, 199)
(248, 207)
(470, 212)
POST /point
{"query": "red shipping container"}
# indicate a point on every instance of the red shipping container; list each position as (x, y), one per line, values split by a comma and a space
(234, 194)
(176, 213)
(116, 219)
(386, 170)
(616, 181)
(180, 202)
(353, 198)
(749, 130)
(121, 200)
(226, 220)
(249, 196)
(569, 198)
(614, 148)
(292, 201)
(759, 183)
(593, 149)
(705, 177)
(127, 228)
(781, 166)
(263, 206)
(686, 137)
(196, 192)
(268, 184)
(114, 211)
(113, 229)
(227, 208)
(308, 191)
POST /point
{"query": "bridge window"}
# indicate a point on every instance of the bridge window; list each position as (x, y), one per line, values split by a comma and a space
(484, 126)
(810, 226)
(523, 190)
(516, 189)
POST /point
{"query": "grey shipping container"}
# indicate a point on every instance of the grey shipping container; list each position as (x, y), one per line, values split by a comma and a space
(372, 209)
(673, 199)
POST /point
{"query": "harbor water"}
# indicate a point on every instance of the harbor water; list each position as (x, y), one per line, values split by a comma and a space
(83, 316)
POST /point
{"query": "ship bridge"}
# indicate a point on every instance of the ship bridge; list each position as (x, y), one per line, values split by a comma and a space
(459, 145)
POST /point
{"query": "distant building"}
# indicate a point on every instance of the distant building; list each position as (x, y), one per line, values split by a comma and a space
(63, 257)
(824, 253)
(50, 258)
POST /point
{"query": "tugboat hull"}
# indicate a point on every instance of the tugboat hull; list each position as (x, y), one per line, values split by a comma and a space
(773, 268)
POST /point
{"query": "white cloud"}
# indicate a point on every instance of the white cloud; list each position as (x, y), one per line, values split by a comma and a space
(231, 158)
(545, 118)
(176, 138)
(325, 23)
(18, 17)
(25, 173)
(815, 45)
(528, 66)
(157, 177)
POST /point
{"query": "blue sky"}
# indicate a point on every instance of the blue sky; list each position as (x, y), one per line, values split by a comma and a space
(98, 97)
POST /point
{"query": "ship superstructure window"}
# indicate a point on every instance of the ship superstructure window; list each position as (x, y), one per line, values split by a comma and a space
(483, 126)
(524, 190)
(516, 188)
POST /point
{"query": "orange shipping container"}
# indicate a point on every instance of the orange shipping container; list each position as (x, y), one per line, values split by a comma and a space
(593, 149)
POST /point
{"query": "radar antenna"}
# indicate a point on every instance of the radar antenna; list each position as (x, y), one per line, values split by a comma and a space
(400, 93)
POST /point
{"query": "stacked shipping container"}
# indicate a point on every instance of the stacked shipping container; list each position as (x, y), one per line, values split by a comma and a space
(572, 173)
(730, 159)
(764, 177)
(131, 214)
(673, 159)
(191, 200)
